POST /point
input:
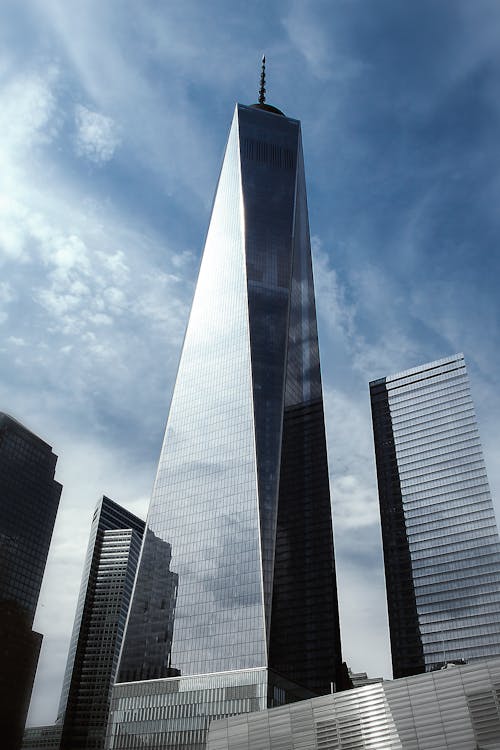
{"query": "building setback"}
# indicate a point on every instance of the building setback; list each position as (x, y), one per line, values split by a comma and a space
(29, 498)
(103, 602)
(441, 545)
(456, 708)
(241, 505)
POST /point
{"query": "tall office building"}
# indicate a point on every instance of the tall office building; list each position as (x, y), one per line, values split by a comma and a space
(101, 613)
(241, 501)
(29, 498)
(441, 545)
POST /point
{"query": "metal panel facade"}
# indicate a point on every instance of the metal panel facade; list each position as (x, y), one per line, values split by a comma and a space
(457, 708)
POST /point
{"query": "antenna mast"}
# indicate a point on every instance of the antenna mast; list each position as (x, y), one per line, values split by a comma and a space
(262, 91)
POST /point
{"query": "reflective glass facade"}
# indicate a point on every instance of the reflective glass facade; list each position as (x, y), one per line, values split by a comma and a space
(105, 592)
(241, 497)
(457, 708)
(29, 498)
(441, 545)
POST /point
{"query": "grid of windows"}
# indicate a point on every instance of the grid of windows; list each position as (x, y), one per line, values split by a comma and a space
(29, 498)
(433, 479)
(105, 593)
(42, 738)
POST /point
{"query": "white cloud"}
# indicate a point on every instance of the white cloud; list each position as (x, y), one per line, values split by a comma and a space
(6, 293)
(16, 341)
(97, 136)
(311, 38)
(308, 33)
(6, 296)
(95, 312)
(354, 490)
(363, 613)
(389, 345)
(116, 265)
(146, 86)
(330, 294)
(28, 111)
(12, 232)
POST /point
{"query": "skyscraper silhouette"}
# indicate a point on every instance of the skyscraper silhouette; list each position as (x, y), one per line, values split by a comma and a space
(241, 497)
(29, 498)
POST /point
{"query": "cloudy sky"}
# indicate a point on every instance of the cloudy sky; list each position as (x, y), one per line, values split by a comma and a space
(113, 120)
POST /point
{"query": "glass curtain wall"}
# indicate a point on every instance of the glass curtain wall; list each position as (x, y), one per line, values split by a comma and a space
(441, 545)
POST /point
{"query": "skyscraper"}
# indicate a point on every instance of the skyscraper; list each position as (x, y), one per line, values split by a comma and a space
(106, 588)
(29, 498)
(241, 497)
(441, 545)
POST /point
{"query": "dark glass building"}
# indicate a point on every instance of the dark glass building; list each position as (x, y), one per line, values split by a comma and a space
(29, 498)
(106, 588)
(441, 545)
(241, 497)
(42, 738)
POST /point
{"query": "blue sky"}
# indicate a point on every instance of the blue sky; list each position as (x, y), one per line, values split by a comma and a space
(113, 120)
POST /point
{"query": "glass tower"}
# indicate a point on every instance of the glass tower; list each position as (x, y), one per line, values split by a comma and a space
(29, 498)
(441, 545)
(103, 602)
(240, 508)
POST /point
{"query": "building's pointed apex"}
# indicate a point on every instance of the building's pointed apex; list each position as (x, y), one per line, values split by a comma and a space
(262, 90)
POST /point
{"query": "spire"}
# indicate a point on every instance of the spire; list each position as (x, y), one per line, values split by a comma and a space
(262, 91)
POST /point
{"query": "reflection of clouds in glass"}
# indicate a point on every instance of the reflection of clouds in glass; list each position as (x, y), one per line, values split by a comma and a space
(240, 589)
(219, 612)
(146, 652)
